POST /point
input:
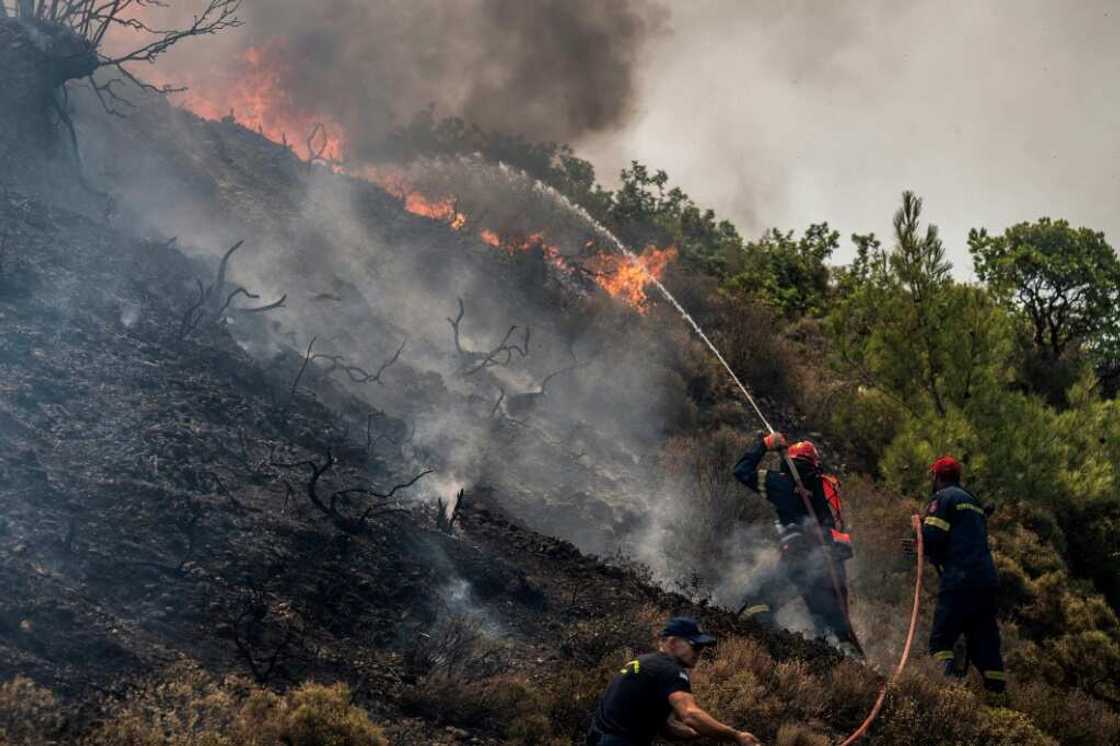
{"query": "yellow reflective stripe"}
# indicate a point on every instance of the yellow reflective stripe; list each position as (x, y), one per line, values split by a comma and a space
(943, 655)
(633, 665)
(762, 482)
(937, 522)
(995, 675)
(970, 506)
(757, 609)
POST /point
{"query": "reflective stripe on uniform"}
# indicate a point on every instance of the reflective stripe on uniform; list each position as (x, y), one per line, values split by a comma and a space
(943, 655)
(970, 506)
(762, 482)
(933, 520)
(995, 675)
(756, 609)
(787, 534)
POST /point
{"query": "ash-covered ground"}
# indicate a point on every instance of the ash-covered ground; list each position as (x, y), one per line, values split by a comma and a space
(168, 496)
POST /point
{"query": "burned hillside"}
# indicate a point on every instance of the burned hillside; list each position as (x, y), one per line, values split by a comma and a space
(160, 493)
(421, 444)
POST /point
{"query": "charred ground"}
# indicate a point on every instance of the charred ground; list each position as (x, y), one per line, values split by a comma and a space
(157, 508)
(193, 488)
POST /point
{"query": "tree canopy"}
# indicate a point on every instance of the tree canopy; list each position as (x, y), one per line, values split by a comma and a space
(1065, 280)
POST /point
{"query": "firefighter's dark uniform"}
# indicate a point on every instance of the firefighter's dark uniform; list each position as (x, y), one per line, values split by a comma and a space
(804, 566)
(955, 534)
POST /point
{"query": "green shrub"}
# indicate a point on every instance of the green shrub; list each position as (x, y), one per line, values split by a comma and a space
(1071, 717)
(1000, 726)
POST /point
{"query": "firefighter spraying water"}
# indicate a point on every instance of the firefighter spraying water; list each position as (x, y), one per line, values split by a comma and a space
(813, 562)
(804, 568)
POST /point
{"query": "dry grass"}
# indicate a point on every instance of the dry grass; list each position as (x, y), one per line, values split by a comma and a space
(187, 707)
(29, 714)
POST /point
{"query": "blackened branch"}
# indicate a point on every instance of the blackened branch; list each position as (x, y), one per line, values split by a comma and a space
(317, 471)
(403, 485)
(502, 355)
(206, 306)
(355, 373)
(455, 328)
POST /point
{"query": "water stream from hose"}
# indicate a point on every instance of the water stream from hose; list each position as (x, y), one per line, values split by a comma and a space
(622, 248)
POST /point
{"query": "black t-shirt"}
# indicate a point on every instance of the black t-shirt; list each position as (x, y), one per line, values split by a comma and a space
(636, 703)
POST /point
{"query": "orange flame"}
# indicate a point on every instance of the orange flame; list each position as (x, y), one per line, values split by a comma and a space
(441, 210)
(627, 279)
(395, 183)
(490, 237)
(255, 97)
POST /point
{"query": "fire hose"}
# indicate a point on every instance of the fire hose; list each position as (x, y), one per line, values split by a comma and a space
(801, 491)
(829, 560)
(861, 731)
(916, 523)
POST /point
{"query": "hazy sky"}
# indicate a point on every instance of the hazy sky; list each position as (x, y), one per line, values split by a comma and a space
(786, 113)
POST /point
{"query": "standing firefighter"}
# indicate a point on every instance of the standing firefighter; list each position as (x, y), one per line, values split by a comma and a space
(807, 550)
(955, 535)
(652, 696)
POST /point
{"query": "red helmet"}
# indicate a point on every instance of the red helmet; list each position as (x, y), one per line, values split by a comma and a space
(806, 451)
(946, 468)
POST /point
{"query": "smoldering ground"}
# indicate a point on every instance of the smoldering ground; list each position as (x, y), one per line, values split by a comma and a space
(561, 429)
(575, 461)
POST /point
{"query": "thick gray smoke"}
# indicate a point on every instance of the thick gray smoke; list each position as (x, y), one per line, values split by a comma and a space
(787, 113)
(553, 70)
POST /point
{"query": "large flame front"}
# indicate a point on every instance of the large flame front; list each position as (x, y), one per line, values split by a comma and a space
(255, 97)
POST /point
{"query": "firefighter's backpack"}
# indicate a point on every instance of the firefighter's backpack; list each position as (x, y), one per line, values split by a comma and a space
(841, 540)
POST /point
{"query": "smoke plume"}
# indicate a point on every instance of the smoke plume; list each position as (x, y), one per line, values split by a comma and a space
(552, 70)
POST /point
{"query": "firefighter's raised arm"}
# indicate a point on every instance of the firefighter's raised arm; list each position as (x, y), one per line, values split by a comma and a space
(746, 471)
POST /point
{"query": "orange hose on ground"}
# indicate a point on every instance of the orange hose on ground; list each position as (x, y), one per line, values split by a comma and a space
(860, 732)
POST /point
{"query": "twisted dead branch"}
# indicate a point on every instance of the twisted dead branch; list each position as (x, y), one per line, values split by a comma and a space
(501, 355)
(329, 505)
(318, 154)
(206, 309)
(248, 627)
(353, 372)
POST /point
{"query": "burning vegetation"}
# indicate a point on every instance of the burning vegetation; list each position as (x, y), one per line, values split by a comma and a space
(261, 485)
(253, 96)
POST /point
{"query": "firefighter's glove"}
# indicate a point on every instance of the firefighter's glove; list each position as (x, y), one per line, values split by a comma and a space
(774, 441)
(909, 547)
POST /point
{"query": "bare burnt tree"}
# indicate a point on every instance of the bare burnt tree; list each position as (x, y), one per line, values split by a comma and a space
(501, 355)
(317, 144)
(264, 630)
(332, 503)
(338, 362)
(353, 372)
(216, 299)
(95, 21)
(519, 404)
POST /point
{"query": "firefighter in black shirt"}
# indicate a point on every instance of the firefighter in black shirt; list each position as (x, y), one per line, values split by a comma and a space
(955, 536)
(651, 696)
